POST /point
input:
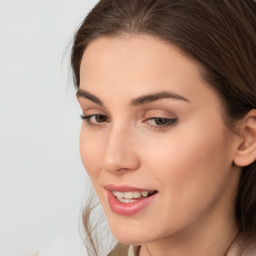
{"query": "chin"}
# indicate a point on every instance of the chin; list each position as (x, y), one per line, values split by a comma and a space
(134, 236)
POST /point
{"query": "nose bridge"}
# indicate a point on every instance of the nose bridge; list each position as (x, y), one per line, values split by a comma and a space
(120, 150)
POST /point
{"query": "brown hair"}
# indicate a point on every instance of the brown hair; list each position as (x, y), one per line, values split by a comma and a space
(219, 34)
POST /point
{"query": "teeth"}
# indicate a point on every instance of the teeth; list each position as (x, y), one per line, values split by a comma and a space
(137, 194)
(129, 195)
(127, 201)
(119, 194)
(145, 193)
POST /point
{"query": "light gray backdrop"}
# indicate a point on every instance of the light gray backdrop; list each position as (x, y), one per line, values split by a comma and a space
(42, 181)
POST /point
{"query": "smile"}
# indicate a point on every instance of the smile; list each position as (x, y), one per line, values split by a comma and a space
(126, 200)
(130, 197)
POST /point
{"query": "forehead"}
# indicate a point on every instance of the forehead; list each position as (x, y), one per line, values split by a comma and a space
(132, 65)
(136, 54)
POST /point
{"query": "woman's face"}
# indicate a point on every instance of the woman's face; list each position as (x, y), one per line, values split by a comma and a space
(153, 140)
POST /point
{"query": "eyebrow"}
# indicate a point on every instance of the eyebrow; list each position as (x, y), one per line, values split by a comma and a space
(84, 94)
(144, 99)
(157, 96)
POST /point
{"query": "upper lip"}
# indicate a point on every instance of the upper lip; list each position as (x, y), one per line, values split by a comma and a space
(126, 188)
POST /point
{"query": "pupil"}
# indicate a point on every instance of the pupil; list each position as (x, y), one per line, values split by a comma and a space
(100, 118)
(161, 121)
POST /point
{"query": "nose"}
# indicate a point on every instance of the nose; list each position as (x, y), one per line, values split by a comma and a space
(120, 152)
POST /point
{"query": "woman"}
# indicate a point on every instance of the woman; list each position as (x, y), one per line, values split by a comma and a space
(168, 94)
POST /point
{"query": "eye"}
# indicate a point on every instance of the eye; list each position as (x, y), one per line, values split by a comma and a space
(94, 120)
(161, 123)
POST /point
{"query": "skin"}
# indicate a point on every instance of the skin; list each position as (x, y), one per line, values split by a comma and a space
(189, 162)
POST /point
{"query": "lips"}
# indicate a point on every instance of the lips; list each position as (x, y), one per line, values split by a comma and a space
(126, 200)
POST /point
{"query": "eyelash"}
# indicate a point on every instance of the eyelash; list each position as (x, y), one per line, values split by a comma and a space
(169, 121)
(88, 119)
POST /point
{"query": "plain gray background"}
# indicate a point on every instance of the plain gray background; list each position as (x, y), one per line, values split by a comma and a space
(42, 180)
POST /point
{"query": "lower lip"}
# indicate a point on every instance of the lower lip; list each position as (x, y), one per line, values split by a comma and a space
(128, 208)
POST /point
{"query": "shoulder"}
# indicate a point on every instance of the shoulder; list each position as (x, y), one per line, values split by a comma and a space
(124, 250)
(119, 249)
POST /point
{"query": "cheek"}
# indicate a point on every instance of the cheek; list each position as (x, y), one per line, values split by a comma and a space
(187, 146)
(191, 165)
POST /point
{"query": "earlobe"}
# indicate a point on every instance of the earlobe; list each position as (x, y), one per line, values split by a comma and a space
(246, 150)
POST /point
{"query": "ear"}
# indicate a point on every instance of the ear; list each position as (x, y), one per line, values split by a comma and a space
(246, 150)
